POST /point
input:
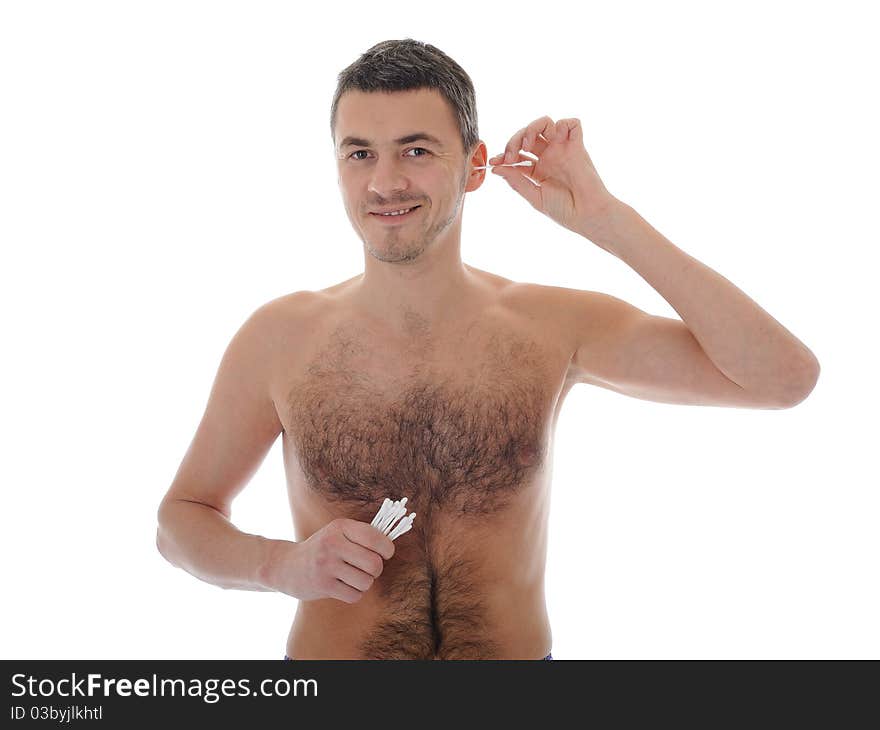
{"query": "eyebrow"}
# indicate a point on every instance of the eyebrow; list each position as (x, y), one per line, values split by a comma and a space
(415, 137)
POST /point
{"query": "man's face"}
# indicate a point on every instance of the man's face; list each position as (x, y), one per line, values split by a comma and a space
(380, 170)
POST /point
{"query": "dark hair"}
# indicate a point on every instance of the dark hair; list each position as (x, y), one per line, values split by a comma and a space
(407, 64)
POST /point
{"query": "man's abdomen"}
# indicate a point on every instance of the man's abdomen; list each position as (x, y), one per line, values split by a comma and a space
(444, 617)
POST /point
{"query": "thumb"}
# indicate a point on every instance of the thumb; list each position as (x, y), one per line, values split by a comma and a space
(521, 184)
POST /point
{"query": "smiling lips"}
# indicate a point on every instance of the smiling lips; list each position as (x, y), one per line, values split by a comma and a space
(394, 216)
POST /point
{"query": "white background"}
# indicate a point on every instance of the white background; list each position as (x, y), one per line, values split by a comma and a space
(167, 167)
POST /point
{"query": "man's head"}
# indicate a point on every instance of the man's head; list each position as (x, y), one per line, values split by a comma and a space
(395, 90)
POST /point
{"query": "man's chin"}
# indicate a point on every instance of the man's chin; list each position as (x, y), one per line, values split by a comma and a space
(405, 258)
(394, 254)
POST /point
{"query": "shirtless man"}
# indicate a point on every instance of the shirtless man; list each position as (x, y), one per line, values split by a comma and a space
(427, 378)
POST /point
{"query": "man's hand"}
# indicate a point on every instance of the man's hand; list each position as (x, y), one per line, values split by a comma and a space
(569, 189)
(341, 561)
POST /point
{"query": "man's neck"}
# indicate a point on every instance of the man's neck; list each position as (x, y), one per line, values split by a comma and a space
(425, 291)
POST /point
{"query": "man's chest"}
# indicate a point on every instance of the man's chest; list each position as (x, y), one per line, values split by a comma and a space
(461, 424)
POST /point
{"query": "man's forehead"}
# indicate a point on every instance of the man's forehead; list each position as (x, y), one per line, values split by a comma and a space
(397, 117)
(353, 141)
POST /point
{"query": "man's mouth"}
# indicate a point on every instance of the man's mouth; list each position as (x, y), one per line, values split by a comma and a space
(394, 216)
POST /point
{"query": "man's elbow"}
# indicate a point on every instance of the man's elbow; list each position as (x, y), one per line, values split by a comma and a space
(159, 543)
(161, 537)
(803, 383)
(161, 546)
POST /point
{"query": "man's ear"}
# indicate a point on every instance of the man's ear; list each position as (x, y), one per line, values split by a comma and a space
(475, 177)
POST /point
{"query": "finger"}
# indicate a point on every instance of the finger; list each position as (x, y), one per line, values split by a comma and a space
(362, 558)
(522, 184)
(368, 536)
(539, 134)
(526, 137)
(352, 576)
(536, 145)
(520, 157)
(570, 129)
(514, 146)
(341, 591)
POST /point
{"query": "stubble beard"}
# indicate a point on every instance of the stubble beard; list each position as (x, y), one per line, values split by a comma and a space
(403, 249)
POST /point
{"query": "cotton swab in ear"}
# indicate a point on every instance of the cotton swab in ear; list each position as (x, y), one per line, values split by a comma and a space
(525, 163)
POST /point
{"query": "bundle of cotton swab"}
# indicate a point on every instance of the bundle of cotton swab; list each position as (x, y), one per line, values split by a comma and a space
(388, 514)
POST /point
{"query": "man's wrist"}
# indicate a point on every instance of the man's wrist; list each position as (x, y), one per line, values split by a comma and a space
(270, 560)
(600, 227)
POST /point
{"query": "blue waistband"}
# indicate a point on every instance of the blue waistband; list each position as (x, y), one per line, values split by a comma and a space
(549, 656)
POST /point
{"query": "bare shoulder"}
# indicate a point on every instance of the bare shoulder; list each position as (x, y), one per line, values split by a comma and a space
(578, 305)
(563, 311)
(306, 303)
(294, 305)
(282, 326)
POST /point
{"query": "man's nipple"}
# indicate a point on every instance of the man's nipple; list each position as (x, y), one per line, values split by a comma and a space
(526, 456)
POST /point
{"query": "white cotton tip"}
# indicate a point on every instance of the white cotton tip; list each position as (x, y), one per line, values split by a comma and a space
(397, 533)
(397, 528)
(404, 525)
(381, 513)
(399, 512)
(390, 516)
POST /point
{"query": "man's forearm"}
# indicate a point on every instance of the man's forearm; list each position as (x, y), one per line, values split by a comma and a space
(204, 543)
(748, 345)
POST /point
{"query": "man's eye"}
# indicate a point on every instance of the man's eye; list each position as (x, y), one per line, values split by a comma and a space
(412, 149)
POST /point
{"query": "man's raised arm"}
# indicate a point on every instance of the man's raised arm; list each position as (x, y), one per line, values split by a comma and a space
(748, 346)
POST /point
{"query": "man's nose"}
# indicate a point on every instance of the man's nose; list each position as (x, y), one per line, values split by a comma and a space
(388, 175)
